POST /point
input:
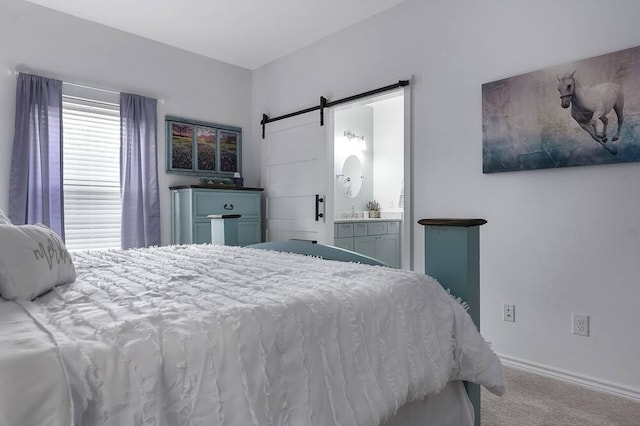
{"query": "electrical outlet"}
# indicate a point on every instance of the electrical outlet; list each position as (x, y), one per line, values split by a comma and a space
(580, 324)
(509, 313)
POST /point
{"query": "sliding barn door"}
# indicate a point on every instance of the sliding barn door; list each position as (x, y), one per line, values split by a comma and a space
(295, 174)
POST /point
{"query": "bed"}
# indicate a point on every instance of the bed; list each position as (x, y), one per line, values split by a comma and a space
(219, 335)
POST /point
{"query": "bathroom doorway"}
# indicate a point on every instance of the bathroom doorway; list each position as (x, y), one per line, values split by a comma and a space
(372, 169)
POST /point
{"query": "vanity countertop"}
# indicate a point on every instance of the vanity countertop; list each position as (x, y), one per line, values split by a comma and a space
(367, 219)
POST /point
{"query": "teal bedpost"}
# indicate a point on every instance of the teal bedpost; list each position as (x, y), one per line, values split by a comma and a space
(452, 256)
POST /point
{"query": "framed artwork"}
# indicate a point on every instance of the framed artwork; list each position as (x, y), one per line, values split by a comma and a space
(202, 149)
(581, 113)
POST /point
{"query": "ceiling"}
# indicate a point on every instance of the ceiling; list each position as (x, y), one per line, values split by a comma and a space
(246, 33)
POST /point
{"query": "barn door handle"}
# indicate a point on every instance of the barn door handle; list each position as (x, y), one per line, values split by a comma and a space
(228, 206)
(319, 200)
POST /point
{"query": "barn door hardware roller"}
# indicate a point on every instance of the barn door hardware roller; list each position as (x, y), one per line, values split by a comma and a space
(325, 104)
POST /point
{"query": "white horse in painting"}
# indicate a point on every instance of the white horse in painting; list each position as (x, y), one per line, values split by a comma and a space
(590, 104)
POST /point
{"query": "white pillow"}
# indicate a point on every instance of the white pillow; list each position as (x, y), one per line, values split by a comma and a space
(4, 220)
(33, 259)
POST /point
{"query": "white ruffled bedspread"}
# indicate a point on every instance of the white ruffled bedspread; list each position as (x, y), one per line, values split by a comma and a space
(215, 335)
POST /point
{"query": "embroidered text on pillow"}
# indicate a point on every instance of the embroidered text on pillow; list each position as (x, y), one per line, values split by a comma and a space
(33, 259)
(53, 250)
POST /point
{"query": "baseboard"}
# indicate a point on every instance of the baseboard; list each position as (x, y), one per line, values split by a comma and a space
(595, 384)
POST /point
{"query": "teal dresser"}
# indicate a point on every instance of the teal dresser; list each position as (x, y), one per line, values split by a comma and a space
(192, 204)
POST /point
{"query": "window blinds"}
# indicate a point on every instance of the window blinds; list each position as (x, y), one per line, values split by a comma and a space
(91, 155)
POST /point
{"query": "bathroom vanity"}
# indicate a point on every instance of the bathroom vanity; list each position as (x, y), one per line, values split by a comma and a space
(378, 238)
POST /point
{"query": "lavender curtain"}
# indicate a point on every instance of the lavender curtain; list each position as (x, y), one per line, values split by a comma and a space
(140, 225)
(35, 184)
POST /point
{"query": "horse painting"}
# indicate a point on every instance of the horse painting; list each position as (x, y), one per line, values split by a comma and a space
(590, 104)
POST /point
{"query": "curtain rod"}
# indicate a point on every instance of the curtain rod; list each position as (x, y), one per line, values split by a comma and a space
(324, 104)
(82, 86)
(99, 89)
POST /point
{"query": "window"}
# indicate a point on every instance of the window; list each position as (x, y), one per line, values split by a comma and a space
(91, 155)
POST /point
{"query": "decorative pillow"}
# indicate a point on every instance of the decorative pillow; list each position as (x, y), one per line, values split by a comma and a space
(4, 220)
(33, 259)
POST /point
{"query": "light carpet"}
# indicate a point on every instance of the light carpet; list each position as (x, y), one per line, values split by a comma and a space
(533, 400)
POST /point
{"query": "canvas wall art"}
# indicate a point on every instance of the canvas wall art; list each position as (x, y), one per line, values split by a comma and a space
(203, 149)
(580, 113)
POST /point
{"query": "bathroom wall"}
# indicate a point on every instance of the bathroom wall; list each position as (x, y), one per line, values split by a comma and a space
(388, 145)
(359, 120)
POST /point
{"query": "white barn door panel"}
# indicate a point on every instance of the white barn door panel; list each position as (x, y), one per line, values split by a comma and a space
(295, 172)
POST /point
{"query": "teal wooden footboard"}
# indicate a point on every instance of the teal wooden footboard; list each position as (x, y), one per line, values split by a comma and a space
(452, 256)
(310, 248)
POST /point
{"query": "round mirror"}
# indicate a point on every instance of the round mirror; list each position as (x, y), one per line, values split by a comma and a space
(351, 177)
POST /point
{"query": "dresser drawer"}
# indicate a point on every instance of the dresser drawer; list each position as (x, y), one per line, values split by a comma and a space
(206, 203)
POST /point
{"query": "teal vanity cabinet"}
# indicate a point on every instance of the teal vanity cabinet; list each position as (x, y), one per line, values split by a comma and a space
(192, 204)
(377, 238)
(343, 235)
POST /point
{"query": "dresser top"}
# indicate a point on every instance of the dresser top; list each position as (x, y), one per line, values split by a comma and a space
(227, 187)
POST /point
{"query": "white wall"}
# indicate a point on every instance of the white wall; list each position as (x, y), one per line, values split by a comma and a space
(41, 41)
(557, 241)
